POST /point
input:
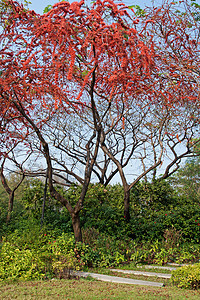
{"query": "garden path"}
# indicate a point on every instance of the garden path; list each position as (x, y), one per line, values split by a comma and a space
(118, 279)
(161, 275)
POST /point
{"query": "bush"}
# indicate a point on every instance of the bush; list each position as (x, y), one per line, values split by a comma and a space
(22, 264)
(37, 255)
(154, 207)
(43, 254)
(187, 277)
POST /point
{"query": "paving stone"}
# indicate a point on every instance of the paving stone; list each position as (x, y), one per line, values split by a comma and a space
(179, 265)
(157, 267)
(160, 275)
(118, 279)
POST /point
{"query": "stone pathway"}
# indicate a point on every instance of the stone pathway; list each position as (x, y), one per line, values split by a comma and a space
(178, 265)
(157, 267)
(160, 275)
(118, 279)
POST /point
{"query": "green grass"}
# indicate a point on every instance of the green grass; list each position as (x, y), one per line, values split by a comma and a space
(85, 289)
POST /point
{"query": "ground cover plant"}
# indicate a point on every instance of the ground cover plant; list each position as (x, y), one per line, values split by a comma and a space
(187, 277)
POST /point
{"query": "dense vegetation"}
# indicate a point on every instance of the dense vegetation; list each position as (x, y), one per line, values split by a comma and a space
(164, 227)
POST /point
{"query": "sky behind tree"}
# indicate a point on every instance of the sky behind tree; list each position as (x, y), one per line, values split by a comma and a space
(39, 5)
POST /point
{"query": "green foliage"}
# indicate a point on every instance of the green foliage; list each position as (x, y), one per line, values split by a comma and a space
(196, 10)
(22, 264)
(63, 255)
(37, 255)
(163, 228)
(33, 253)
(103, 208)
(47, 9)
(138, 10)
(104, 251)
(187, 277)
(152, 195)
(160, 253)
(55, 216)
(151, 225)
(187, 179)
(3, 204)
(32, 197)
(155, 207)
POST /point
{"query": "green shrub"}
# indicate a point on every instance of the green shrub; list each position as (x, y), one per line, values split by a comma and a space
(37, 255)
(187, 277)
(22, 264)
(63, 256)
(154, 208)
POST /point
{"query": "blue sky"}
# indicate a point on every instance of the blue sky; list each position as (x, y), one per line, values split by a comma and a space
(39, 5)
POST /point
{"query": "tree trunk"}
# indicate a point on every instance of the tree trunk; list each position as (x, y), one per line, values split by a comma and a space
(77, 227)
(10, 206)
(44, 200)
(127, 204)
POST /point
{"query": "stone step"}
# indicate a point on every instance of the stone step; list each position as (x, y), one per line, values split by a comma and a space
(118, 279)
(179, 265)
(158, 267)
(144, 273)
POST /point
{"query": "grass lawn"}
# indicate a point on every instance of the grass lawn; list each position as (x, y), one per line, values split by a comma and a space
(89, 289)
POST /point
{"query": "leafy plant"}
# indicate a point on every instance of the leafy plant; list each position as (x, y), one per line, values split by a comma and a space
(22, 264)
(187, 277)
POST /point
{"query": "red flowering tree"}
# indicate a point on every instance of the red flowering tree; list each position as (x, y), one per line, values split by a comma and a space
(171, 125)
(71, 60)
(98, 64)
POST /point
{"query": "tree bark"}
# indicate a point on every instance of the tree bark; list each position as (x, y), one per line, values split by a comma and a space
(44, 199)
(10, 206)
(127, 204)
(76, 227)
